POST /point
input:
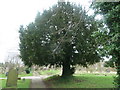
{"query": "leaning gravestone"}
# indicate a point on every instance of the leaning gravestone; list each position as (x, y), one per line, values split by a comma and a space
(12, 78)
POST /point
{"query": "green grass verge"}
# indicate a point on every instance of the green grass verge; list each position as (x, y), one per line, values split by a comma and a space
(80, 81)
(23, 75)
(49, 72)
(20, 84)
(24, 84)
(2, 76)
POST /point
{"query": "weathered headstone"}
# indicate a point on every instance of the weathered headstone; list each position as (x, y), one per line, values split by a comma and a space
(12, 78)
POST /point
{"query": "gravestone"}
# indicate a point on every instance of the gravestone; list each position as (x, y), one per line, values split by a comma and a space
(12, 78)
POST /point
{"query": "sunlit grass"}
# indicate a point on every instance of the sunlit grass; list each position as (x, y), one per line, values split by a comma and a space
(49, 72)
(20, 75)
(2, 76)
(23, 75)
(20, 83)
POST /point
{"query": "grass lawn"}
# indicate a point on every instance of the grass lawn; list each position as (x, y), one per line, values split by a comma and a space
(23, 75)
(2, 76)
(20, 83)
(49, 72)
(80, 81)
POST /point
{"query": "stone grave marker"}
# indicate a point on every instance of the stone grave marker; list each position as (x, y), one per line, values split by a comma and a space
(12, 78)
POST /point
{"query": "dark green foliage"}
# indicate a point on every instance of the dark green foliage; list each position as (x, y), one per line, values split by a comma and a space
(60, 36)
(109, 63)
(116, 81)
(28, 70)
(110, 11)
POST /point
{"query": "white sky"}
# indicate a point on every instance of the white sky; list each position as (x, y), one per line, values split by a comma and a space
(14, 13)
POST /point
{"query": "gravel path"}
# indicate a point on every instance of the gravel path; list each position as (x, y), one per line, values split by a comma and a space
(36, 81)
(3, 78)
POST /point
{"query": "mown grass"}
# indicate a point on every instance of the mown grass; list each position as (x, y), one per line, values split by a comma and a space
(23, 75)
(80, 81)
(49, 72)
(2, 76)
(20, 83)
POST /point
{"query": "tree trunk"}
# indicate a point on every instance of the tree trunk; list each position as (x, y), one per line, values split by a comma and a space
(66, 70)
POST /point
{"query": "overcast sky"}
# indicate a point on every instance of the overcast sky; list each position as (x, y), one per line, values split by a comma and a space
(14, 13)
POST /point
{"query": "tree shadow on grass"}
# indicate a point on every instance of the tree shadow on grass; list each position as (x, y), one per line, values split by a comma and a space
(56, 80)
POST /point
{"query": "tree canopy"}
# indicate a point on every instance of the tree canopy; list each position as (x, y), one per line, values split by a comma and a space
(60, 36)
(110, 11)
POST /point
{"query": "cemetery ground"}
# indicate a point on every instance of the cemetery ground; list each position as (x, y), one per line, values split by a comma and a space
(20, 83)
(78, 80)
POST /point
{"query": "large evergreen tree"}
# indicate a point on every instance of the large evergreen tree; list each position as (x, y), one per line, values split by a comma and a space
(110, 11)
(60, 36)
